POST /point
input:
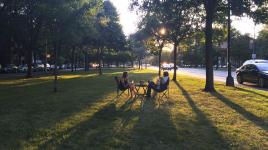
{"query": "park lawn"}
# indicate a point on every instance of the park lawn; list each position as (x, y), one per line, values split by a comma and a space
(85, 114)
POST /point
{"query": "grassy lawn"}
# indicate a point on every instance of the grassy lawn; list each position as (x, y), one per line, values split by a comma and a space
(85, 114)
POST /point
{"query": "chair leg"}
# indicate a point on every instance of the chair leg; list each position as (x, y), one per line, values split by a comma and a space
(117, 91)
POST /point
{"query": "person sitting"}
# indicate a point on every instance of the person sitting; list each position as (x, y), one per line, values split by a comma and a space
(161, 85)
(125, 84)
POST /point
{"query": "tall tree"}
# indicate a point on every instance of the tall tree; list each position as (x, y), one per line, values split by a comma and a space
(110, 32)
(179, 18)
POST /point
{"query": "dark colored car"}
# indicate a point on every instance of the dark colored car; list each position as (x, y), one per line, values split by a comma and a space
(23, 68)
(10, 68)
(254, 73)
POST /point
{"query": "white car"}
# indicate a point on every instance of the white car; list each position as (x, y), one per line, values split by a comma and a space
(253, 61)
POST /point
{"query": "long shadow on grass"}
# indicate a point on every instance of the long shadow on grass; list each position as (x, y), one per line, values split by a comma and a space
(248, 115)
(211, 132)
(107, 129)
(34, 108)
(121, 128)
(32, 112)
(154, 129)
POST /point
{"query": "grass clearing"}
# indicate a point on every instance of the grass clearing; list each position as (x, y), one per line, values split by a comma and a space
(85, 114)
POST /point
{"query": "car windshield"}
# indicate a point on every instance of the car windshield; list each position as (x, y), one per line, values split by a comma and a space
(263, 67)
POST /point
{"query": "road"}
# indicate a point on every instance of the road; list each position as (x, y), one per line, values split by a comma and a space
(219, 75)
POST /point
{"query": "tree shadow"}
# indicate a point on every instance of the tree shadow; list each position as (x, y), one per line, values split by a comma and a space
(207, 131)
(29, 114)
(154, 129)
(253, 92)
(33, 114)
(105, 130)
(120, 128)
(248, 115)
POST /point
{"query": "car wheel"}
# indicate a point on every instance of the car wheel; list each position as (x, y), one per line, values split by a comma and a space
(261, 82)
(239, 79)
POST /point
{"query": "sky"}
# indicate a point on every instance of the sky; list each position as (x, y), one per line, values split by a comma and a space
(129, 20)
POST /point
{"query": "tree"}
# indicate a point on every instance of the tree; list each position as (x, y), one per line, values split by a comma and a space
(180, 18)
(110, 32)
(138, 45)
(262, 43)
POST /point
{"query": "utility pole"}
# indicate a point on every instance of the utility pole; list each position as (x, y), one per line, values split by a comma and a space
(229, 79)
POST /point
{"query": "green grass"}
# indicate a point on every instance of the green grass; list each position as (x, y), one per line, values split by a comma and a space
(85, 114)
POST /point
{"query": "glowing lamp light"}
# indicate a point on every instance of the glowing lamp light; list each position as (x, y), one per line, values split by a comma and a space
(162, 31)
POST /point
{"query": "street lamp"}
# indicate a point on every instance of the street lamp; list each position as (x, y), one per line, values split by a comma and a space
(229, 79)
(162, 31)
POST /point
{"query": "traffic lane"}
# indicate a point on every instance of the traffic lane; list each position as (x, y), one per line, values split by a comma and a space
(219, 75)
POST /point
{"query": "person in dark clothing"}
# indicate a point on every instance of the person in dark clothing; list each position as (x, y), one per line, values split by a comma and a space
(125, 84)
(161, 85)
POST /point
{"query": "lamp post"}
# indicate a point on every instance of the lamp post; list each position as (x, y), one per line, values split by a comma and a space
(229, 79)
(254, 43)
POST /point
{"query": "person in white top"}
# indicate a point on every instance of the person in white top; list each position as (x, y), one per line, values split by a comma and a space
(161, 85)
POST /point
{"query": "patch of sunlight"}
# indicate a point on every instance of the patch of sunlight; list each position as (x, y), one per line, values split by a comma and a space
(114, 73)
(65, 126)
(31, 83)
(34, 81)
(69, 76)
(144, 71)
(24, 81)
(11, 82)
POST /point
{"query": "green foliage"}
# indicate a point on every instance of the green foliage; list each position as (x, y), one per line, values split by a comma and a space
(262, 43)
(70, 28)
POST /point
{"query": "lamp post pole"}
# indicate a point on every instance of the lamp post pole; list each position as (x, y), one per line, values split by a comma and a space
(254, 44)
(230, 79)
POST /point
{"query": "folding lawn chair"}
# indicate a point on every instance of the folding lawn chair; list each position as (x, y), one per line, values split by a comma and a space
(164, 93)
(119, 88)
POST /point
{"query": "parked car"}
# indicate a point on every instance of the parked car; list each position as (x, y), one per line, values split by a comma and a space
(254, 61)
(10, 68)
(254, 73)
(23, 68)
(168, 67)
(41, 67)
(53, 66)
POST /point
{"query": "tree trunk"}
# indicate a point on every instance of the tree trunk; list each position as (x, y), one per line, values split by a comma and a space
(132, 64)
(75, 62)
(73, 53)
(139, 64)
(55, 68)
(210, 6)
(99, 59)
(176, 43)
(86, 62)
(34, 58)
(160, 58)
(29, 63)
(117, 64)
